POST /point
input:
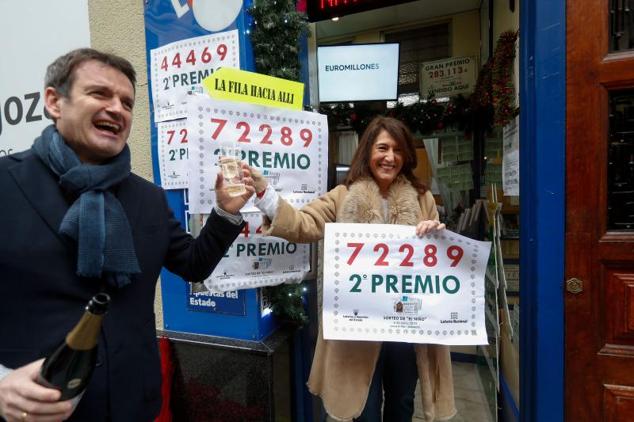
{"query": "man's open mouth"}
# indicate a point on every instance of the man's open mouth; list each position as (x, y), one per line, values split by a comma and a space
(108, 126)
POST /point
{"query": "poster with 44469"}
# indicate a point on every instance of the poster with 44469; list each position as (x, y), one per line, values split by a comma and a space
(181, 66)
(290, 148)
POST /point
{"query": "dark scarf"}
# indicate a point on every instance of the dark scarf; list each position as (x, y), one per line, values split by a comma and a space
(96, 220)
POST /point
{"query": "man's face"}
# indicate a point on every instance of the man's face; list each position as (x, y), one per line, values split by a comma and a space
(96, 117)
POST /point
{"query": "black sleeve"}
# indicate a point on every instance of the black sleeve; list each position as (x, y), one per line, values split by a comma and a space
(195, 259)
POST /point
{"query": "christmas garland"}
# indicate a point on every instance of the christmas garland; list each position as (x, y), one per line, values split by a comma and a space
(275, 33)
(502, 86)
(423, 117)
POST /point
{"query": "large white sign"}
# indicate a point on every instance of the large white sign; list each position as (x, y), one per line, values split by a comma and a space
(28, 46)
(358, 72)
(254, 260)
(448, 77)
(179, 67)
(384, 283)
(289, 147)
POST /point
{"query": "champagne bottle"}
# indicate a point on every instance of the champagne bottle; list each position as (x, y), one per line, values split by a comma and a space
(70, 366)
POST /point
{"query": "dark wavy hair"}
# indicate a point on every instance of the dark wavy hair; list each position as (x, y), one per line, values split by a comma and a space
(61, 73)
(360, 167)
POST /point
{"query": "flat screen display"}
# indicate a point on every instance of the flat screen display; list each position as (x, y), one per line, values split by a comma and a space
(358, 72)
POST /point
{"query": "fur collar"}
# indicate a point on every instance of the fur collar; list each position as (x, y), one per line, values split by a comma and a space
(364, 203)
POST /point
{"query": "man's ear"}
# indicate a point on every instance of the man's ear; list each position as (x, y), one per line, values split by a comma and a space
(52, 99)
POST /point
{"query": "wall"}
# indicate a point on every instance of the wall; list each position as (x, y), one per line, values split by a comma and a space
(503, 18)
(465, 34)
(117, 26)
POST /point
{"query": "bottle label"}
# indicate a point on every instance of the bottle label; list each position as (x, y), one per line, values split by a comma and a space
(74, 383)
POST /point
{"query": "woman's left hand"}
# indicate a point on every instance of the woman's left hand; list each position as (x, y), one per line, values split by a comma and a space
(428, 226)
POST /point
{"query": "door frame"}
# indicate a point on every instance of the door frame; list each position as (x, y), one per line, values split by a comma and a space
(542, 212)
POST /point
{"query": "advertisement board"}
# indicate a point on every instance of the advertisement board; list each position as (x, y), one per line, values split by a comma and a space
(358, 72)
(24, 62)
(448, 77)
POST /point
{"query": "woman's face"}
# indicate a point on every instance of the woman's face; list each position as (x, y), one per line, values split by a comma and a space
(386, 160)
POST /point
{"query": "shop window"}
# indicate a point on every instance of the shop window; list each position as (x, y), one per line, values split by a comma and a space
(621, 161)
(621, 24)
(417, 46)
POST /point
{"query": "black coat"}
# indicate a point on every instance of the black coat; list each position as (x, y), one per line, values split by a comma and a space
(41, 297)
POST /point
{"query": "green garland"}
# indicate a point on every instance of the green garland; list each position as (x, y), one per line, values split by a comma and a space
(502, 86)
(275, 33)
(287, 302)
(423, 117)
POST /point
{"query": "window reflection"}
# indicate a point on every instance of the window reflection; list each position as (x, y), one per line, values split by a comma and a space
(621, 161)
(621, 25)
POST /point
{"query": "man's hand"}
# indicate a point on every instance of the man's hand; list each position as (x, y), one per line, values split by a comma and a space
(233, 204)
(23, 399)
(428, 226)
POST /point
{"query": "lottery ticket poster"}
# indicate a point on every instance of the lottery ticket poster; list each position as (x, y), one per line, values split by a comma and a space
(254, 260)
(173, 153)
(289, 147)
(179, 68)
(384, 283)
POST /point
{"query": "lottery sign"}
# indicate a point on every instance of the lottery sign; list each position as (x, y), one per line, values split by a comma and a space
(254, 260)
(384, 283)
(173, 154)
(289, 147)
(448, 77)
(180, 67)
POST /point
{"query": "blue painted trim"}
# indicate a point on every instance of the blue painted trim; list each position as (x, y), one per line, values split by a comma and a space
(542, 218)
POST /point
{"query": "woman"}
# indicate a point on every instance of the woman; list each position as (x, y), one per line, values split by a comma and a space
(351, 376)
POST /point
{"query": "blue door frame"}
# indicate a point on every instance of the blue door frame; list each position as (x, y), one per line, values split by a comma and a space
(542, 193)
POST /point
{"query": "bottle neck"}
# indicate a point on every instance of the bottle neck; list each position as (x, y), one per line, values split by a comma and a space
(85, 334)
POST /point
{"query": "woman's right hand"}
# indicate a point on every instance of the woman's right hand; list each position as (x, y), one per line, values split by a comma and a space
(259, 181)
(428, 226)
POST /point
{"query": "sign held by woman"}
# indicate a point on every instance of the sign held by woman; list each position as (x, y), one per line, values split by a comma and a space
(384, 283)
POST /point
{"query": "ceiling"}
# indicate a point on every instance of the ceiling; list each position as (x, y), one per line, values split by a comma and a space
(401, 14)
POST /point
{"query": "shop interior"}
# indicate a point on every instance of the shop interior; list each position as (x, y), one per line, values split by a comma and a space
(468, 154)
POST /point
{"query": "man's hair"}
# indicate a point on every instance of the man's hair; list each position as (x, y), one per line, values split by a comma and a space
(61, 73)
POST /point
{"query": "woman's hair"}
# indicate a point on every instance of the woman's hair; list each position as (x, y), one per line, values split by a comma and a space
(360, 167)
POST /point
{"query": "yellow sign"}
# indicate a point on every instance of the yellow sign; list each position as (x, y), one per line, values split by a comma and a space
(248, 87)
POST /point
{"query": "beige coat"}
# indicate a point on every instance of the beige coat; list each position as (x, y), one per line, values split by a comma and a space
(342, 370)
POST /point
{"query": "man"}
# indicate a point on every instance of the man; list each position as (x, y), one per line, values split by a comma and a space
(75, 221)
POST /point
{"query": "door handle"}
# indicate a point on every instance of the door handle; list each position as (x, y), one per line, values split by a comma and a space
(574, 285)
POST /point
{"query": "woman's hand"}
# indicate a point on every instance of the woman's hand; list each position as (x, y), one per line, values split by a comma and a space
(428, 226)
(259, 182)
(233, 204)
